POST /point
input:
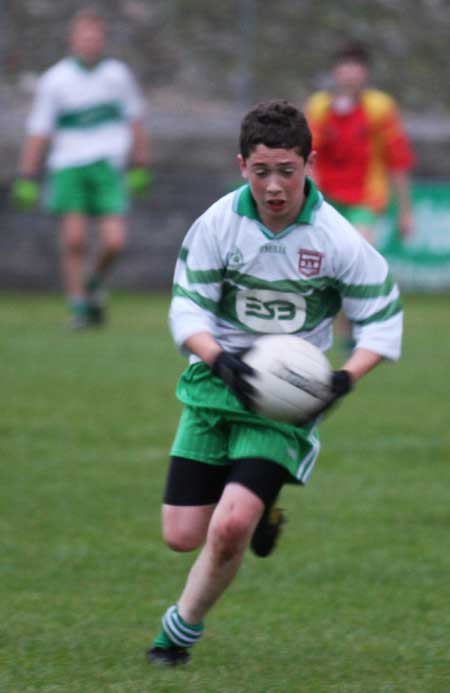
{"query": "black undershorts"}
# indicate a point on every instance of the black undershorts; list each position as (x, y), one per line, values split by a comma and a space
(196, 483)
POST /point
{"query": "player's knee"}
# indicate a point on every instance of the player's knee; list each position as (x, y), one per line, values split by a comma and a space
(74, 243)
(229, 536)
(181, 539)
(114, 243)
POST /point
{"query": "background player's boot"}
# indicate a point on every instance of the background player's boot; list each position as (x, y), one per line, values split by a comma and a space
(267, 531)
(170, 656)
(96, 302)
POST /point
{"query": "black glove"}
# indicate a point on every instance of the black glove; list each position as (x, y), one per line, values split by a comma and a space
(232, 370)
(341, 384)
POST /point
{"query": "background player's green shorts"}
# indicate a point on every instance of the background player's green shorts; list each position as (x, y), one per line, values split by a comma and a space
(96, 189)
(216, 428)
(358, 215)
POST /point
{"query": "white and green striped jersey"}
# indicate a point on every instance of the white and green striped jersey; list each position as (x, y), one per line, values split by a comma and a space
(86, 112)
(237, 280)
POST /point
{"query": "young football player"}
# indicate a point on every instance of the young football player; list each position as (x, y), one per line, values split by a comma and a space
(362, 150)
(270, 258)
(88, 110)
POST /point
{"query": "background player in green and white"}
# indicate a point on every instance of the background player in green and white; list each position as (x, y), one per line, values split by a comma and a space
(88, 111)
(271, 257)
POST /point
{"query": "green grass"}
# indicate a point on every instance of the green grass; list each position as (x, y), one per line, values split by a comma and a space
(356, 599)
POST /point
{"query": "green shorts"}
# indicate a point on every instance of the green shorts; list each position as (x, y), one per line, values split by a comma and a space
(96, 189)
(216, 428)
(358, 215)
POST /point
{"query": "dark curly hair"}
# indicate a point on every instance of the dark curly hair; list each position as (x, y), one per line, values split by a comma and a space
(276, 124)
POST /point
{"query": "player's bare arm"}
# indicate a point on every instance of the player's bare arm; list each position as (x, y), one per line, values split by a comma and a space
(361, 362)
(400, 183)
(33, 154)
(140, 148)
(204, 346)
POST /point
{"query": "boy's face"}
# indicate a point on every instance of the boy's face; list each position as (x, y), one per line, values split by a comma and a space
(350, 76)
(277, 180)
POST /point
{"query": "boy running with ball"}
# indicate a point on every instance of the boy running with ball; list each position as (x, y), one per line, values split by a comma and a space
(270, 258)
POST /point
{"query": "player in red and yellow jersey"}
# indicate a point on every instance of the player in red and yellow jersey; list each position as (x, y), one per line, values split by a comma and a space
(362, 148)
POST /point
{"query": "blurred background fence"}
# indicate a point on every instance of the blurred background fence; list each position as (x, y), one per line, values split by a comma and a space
(201, 65)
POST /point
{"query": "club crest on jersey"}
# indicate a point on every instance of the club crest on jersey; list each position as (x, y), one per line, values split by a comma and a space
(235, 258)
(309, 262)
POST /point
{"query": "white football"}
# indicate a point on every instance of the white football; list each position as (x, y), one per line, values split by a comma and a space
(292, 378)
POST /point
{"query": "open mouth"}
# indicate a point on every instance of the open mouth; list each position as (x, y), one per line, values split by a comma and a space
(276, 205)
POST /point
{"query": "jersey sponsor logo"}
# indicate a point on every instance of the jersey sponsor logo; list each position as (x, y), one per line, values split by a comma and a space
(271, 312)
(235, 258)
(273, 249)
(309, 262)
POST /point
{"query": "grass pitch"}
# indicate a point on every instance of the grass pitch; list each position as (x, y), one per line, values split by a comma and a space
(356, 598)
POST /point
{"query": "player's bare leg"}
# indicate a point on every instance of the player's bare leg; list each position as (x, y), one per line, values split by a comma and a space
(185, 527)
(73, 249)
(112, 240)
(230, 529)
(73, 232)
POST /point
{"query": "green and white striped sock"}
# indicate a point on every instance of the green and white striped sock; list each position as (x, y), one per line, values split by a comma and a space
(78, 306)
(176, 632)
